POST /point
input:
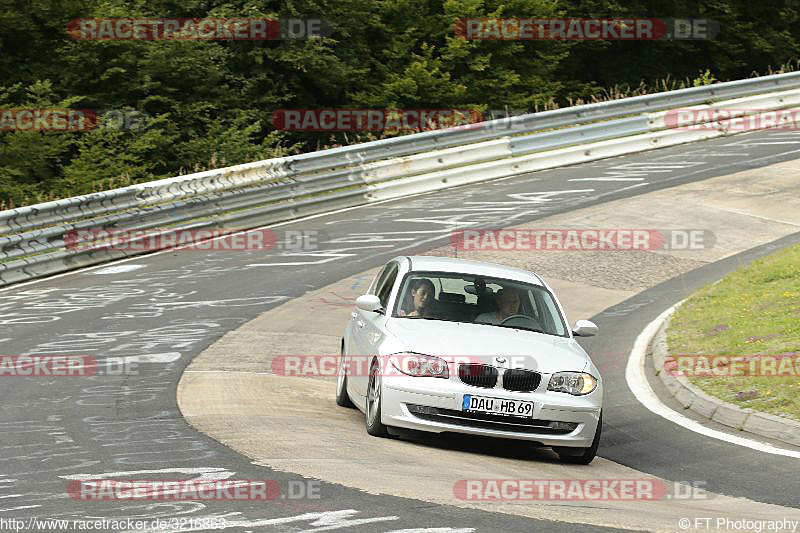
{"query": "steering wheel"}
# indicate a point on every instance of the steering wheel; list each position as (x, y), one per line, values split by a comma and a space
(515, 316)
(525, 318)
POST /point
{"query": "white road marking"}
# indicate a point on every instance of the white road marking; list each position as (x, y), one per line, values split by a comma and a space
(628, 170)
(166, 357)
(330, 255)
(206, 474)
(769, 142)
(19, 508)
(413, 232)
(541, 196)
(607, 179)
(462, 209)
(525, 198)
(324, 521)
(449, 222)
(706, 152)
(116, 269)
(359, 238)
(433, 530)
(639, 386)
(657, 165)
(246, 372)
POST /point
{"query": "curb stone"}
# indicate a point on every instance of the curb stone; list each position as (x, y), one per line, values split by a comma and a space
(690, 397)
(733, 416)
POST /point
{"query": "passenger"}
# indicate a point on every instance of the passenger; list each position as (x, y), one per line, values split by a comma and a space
(507, 304)
(422, 293)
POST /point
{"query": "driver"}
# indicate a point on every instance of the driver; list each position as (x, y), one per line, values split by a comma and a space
(507, 304)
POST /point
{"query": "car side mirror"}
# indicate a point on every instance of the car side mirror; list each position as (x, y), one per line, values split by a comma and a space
(369, 302)
(584, 328)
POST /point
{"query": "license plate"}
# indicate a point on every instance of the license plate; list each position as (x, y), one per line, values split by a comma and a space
(497, 406)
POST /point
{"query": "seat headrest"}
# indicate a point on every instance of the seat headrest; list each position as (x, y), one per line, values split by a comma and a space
(452, 297)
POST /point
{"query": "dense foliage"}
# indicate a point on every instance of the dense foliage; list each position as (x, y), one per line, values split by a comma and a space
(209, 102)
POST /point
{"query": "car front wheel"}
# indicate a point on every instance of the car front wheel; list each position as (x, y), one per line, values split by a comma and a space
(342, 398)
(581, 456)
(373, 410)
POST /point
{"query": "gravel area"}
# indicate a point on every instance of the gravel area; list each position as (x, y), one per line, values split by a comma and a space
(629, 270)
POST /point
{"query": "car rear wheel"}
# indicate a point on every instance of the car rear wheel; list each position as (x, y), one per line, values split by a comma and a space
(342, 398)
(373, 410)
(581, 456)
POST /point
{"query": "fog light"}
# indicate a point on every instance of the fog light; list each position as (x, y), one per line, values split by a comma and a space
(421, 409)
(561, 426)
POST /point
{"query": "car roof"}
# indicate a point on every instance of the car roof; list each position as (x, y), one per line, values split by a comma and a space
(430, 263)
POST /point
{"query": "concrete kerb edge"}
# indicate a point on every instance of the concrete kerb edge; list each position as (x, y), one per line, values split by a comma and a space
(690, 397)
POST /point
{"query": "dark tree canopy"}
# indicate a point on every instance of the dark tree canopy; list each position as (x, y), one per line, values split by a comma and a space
(209, 103)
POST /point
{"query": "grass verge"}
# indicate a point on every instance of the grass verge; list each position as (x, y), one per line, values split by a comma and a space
(754, 311)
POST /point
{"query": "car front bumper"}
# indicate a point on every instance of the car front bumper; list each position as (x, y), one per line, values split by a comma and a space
(435, 405)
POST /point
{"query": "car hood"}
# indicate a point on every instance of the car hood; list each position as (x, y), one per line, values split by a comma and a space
(484, 343)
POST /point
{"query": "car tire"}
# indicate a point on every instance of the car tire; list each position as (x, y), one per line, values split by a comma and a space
(581, 456)
(342, 398)
(372, 412)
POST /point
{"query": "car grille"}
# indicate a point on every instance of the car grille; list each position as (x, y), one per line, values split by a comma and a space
(478, 375)
(521, 380)
(485, 376)
(489, 421)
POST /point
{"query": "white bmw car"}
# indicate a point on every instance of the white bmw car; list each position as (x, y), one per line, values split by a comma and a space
(448, 345)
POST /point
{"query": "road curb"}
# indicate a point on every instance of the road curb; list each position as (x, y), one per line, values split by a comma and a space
(712, 408)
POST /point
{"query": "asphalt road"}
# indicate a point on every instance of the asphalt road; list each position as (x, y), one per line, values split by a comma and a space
(170, 306)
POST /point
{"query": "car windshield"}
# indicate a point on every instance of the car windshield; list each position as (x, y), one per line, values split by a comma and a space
(479, 300)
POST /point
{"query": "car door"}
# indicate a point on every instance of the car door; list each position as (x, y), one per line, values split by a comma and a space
(369, 330)
(353, 339)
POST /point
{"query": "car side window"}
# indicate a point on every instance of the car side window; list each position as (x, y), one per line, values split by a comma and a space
(378, 281)
(552, 324)
(384, 287)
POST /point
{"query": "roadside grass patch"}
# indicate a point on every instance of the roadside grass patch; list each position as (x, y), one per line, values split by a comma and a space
(752, 311)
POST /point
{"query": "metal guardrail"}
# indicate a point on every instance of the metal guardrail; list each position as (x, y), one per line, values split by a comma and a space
(245, 196)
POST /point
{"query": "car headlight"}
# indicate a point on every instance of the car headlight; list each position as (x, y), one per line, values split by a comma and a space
(575, 383)
(414, 364)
